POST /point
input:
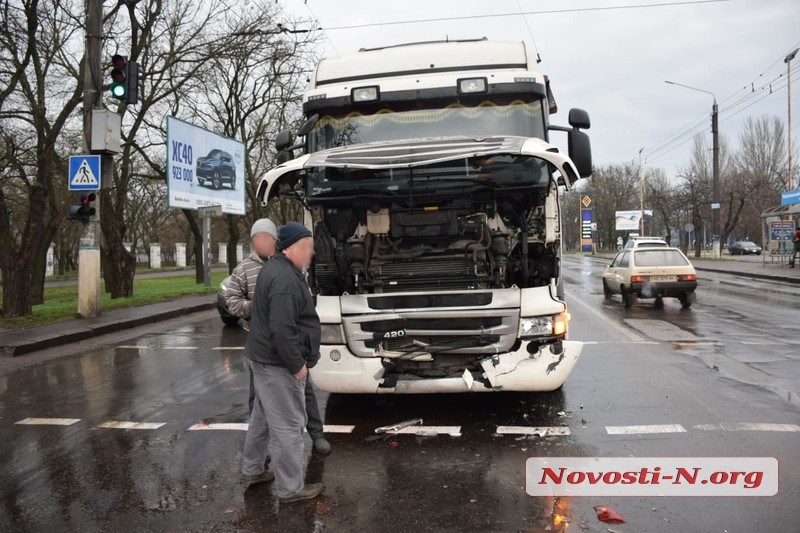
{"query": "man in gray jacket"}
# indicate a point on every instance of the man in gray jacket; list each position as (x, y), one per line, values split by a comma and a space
(239, 298)
(283, 343)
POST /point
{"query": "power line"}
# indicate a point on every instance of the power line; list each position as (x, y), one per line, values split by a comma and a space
(542, 12)
(325, 33)
(530, 32)
(694, 126)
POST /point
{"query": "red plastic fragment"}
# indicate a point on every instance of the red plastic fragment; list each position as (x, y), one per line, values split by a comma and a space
(609, 515)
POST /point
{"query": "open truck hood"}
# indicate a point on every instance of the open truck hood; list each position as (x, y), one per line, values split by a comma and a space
(413, 153)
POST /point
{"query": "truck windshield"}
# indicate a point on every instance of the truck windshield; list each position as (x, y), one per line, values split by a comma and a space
(491, 171)
(517, 118)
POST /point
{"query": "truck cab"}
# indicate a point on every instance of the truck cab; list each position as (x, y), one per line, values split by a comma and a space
(433, 194)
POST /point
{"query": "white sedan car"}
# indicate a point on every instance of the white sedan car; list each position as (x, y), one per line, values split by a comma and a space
(650, 273)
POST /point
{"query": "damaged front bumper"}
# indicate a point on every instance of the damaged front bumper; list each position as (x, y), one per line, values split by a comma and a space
(340, 371)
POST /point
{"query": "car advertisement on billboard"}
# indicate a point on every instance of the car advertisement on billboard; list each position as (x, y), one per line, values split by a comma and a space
(204, 168)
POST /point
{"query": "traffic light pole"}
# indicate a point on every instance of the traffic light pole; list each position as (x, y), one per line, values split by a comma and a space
(89, 250)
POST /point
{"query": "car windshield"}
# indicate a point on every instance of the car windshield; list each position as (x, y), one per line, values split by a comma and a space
(746, 243)
(658, 258)
(486, 119)
(491, 171)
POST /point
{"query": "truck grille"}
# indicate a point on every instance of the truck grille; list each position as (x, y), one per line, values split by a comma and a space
(466, 332)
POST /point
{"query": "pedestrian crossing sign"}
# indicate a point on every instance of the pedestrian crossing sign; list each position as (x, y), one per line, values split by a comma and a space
(84, 173)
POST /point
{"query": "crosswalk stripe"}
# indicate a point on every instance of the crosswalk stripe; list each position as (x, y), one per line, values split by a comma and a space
(647, 429)
(116, 424)
(744, 426)
(529, 430)
(227, 426)
(453, 431)
(48, 421)
(148, 347)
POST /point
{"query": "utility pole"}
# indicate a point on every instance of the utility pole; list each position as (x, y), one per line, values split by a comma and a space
(715, 245)
(788, 60)
(89, 249)
(715, 206)
(641, 195)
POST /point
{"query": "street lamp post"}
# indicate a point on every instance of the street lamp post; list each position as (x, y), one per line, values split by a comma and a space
(788, 61)
(715, 250)
(641, 195)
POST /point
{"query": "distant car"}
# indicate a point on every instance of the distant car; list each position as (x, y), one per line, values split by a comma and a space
(651, 273)
(222, 305)
(648, 242)
(744, 248)
(218, 167)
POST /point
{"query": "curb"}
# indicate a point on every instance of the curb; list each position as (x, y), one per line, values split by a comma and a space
(80, 333)
(767, 277)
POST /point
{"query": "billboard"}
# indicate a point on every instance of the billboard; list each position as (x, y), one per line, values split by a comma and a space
(204, 168)
(587, 223)
(629, 220)
(780, 237)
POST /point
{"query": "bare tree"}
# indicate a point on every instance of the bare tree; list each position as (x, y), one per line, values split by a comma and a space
(40, 93)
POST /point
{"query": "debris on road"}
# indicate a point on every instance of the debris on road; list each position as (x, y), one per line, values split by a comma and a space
(399, 425)
(608, 515)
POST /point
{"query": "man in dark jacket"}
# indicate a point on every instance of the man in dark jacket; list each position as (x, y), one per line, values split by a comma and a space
(239, 297)
(282, 345)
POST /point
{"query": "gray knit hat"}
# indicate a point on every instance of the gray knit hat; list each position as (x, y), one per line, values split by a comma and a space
(264, 225)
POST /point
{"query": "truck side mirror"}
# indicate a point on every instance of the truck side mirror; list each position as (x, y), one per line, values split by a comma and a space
(579, 118)
(308, 125)
(580, 151)
(284, 156)
(284, 140)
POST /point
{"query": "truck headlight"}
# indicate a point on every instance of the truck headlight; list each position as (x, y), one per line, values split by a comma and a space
(332, 334)
(365, 94)
(472, 85)
(543, 326)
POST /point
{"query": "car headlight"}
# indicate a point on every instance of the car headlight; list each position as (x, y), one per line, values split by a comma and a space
(543, 326)
(332, 334)
(223, 288)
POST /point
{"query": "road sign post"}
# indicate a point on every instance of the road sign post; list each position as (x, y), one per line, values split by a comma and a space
(208, 213)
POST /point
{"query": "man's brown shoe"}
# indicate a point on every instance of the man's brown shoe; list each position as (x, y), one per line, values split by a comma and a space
(265, 476)
(309, 492)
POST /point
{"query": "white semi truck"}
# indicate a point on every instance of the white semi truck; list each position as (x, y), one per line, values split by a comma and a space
(428, 180)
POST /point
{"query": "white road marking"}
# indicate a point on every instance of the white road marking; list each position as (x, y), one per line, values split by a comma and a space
(528, 430)
(642, 430)
(228, 348)
(603, 318)
(148, 347)
(177, 347)
(338, 429)
(116, 424)
(243, 427)
(744, 426)
(220, 426)
(48, 421)
(765, 343)
(453, 431)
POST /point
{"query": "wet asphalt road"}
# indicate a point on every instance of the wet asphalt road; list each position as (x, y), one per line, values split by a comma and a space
(731, 359)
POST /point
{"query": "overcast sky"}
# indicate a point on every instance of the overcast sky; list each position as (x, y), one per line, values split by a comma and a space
(612, 63)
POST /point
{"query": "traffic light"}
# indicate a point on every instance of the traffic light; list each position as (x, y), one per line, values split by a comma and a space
(86, 208)
(124, 79)
(119, 75)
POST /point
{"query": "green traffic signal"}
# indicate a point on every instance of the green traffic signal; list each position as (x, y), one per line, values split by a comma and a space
(118, 76)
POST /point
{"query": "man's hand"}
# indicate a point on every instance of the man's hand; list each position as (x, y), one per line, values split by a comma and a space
(303, 373)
